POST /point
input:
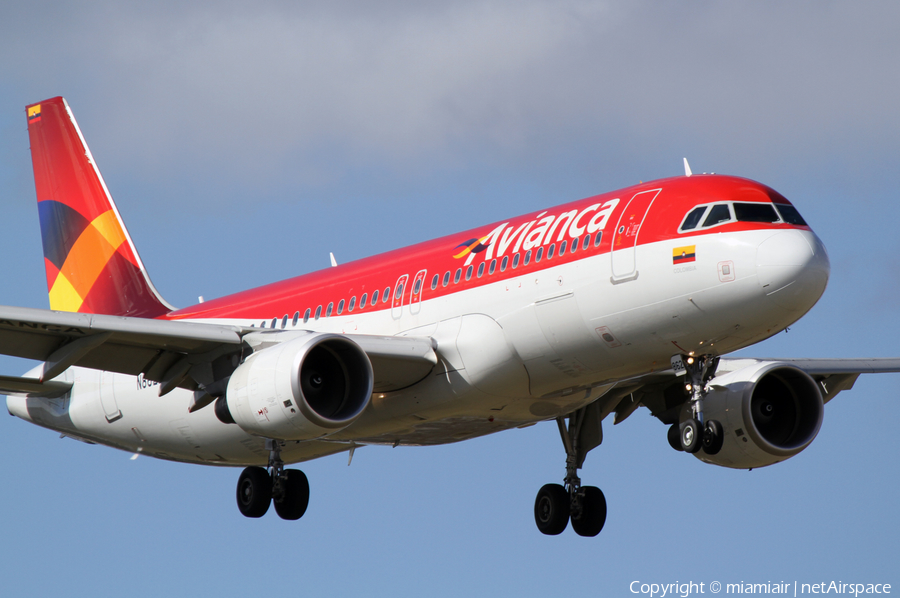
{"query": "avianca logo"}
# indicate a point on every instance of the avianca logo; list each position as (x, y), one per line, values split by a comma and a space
(540, 231)
(472, 246)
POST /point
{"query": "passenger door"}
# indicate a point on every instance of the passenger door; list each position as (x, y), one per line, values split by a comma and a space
(625, 236)
(399, 292)
(415, 294)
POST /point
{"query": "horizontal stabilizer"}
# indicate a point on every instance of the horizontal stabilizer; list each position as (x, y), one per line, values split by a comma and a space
(32, 387)
(125, 345)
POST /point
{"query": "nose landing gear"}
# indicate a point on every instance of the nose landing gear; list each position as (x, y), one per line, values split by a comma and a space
(694, 434)
(584, 506)
(287, 488)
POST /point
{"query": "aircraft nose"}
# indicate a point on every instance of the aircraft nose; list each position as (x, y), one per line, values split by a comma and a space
(793, 269)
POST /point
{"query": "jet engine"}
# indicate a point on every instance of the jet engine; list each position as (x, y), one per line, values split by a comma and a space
(769, 412)
(300, 389)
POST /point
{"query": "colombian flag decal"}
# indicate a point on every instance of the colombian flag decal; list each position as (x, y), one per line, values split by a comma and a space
(34, 113)
(683, 255)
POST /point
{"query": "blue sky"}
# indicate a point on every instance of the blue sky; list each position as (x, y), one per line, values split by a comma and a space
(242, 144)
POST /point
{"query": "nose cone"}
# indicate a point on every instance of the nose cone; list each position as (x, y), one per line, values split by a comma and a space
(793, 269)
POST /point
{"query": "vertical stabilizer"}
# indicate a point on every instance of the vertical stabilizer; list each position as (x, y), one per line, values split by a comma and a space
(92, 265)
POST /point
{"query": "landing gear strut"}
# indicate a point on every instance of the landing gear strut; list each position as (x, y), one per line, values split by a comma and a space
(694, 434)
(287, 488)
(584, 506)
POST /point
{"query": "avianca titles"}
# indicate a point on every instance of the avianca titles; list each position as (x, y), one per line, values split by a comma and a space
(568, 315)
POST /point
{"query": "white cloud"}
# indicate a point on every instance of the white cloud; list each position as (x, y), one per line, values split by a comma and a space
(404, 84)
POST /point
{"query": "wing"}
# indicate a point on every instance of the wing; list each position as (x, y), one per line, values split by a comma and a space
(836, 375)
(661, 391)
(175, 354)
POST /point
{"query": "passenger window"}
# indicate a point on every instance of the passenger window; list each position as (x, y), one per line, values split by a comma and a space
(329, 310)
(527, 257)
(717, 214)
(574, 244)
(385, 294)
(504, 263)
(693, 218)
(306, 315)
(598, 238)
(274, 322)
(284, 321)
(562, 248)
(296, 318)
(457, 276)
(362, 300)
(755, 212)
(318, 312)
(417, 287)
(352, 303)
(539, 254)
(262, 324)
(399, 291)
(515, 261)
(790, 214)
(446, 280)
(469, 272)
(480, 269)
(550, 251)
(434, 282)
(587, 242)
(340, 307)
(493, 267)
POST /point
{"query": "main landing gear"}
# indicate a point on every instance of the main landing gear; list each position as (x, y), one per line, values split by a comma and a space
(584, 506)
(693, 434)
(287, 488)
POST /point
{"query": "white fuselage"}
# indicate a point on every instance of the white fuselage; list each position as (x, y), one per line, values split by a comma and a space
(511, 353)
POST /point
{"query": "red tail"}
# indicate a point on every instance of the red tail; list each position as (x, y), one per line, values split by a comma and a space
(92, 265)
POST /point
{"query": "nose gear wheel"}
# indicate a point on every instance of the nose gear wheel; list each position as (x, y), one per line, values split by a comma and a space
(695, 433)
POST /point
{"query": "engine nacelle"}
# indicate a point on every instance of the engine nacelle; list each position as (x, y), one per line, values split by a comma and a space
(770, 411)
(305, 388)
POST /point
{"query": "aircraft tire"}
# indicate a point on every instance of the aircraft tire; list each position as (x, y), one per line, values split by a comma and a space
(593, 512)
(713, 437)
(551, 509)
(674, 437)
(254, 492)
(295, 499)
(691, 436)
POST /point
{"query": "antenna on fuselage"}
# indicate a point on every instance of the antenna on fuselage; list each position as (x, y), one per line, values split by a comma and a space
(333, 261)
(687, 168)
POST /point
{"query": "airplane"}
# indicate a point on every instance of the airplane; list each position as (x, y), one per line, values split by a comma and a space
(592, 308)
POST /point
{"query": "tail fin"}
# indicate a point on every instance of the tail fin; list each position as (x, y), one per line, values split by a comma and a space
(92, 265)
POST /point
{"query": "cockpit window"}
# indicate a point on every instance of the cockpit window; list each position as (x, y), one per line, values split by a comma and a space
(790, 214)
(693, 219)
(755, 212)
(717, 214)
